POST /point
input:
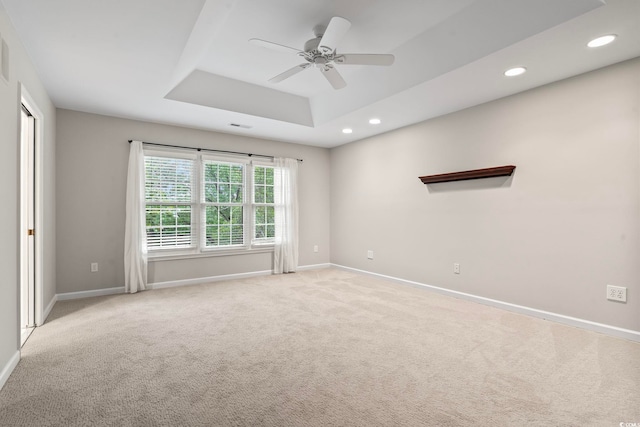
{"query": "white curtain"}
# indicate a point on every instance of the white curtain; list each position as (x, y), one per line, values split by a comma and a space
(135, 235)
(285, 256)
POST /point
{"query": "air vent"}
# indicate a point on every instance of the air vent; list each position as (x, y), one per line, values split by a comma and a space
(236, 125)
(4, 60)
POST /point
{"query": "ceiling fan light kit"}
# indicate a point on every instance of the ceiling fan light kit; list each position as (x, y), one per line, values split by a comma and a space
(320, 52)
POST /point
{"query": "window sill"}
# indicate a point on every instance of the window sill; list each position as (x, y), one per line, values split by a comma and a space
(208, 254)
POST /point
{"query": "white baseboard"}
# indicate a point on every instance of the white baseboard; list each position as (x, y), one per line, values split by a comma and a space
(210, 279)
(314, 267)
(47, 310)
(8, 368)
(170, 284)
(87, 294)
(613, 331)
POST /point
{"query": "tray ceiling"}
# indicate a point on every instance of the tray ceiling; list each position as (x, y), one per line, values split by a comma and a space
(190, 63)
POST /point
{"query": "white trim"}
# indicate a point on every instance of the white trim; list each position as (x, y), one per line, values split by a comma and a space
(210, 279)
(314, 267)
(173, 283)
(88, 294)
(8, 368)
(613, 331)
(47, 310)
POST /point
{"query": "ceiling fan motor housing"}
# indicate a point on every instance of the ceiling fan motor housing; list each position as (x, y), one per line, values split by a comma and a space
(315, 56)
(312, 45)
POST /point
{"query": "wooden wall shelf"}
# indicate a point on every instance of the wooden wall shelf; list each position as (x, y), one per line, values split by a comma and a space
(472, 174)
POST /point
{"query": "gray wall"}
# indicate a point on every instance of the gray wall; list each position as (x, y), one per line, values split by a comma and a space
(92, 161)
(21, 74)
(551, 237)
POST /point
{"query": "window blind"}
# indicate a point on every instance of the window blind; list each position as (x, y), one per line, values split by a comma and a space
(169, 189)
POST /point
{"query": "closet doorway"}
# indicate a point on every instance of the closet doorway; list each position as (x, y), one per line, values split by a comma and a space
(30, 218)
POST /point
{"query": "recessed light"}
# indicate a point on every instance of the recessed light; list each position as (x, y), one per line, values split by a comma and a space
(601, 41)
(516, 71)
(347, 130)
(374, 121)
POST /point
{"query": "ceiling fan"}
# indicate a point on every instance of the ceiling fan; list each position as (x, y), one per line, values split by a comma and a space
(320, 52)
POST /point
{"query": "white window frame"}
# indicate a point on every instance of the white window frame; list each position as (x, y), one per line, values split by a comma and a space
(203, 204)
(254, 205)
(198, 206)
(194, 191)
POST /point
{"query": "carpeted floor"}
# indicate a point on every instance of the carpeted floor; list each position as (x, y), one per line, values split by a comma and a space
(315, 348)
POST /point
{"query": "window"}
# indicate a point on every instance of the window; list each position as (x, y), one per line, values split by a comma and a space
(223, 203)
(168, 195)
(202, 204)
(263, 201)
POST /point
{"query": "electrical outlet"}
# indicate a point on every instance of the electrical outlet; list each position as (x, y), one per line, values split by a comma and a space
(370, 254)
(315, 248)
(616, 293)
(94, 267)
(456, 268)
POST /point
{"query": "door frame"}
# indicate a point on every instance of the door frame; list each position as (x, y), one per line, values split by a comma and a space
(27, 100)
(27, 223)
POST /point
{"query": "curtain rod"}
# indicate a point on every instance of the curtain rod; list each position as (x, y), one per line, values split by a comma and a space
(208, 149)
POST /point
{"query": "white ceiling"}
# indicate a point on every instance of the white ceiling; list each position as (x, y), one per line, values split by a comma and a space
(189, 62)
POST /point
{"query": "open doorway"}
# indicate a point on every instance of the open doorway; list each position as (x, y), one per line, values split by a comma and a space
(27, 223)
(30, 216)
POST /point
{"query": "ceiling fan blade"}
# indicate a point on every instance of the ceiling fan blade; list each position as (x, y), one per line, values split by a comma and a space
(274, 46)
(290, 72)
(334, 77)
(365, 59)
(336, 29)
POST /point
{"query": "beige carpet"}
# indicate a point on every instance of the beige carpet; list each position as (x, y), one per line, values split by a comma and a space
(316, 348)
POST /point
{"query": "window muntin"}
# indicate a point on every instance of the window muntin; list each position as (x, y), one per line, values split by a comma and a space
(263, 205)
(168, 226)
